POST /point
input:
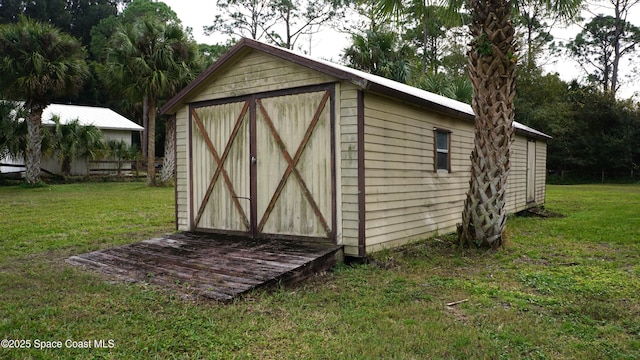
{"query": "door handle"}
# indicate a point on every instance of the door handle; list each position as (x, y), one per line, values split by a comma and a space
(253, 159)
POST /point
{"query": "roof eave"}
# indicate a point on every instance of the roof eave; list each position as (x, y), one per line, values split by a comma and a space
(245, 45)
(397, 94)
(530, 132)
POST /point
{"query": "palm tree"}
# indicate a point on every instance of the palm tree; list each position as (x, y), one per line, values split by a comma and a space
(452, 86)
(73, 140)
(169, 160)
(492, 65)
(189, 63)
(13, 130)
(38, 62)
(377, 52)
(121, 151)
(147, 60)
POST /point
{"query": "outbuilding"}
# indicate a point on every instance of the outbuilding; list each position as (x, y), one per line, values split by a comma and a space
(271, 143)
(112, 125)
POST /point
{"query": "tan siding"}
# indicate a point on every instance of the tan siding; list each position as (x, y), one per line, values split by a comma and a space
(221, 211)
(258, 72)
(292, 213)
(405, 199)
(541, 172)
(182, 169)
(348, 162)
(517, 181)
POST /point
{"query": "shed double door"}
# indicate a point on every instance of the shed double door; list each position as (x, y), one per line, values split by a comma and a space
(264, 165)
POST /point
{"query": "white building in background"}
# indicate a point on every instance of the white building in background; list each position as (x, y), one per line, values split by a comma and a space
(112, 125)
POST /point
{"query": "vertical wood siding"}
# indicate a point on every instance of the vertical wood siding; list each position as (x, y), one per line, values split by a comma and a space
(302, 206)
(223, 203)
(254, 73)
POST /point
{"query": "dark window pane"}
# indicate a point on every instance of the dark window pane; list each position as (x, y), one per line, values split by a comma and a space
(442, 140)
(443, 161)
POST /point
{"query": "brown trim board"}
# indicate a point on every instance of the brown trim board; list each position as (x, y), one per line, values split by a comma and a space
(190, 165)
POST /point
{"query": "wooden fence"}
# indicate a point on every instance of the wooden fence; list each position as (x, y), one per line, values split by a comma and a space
(120, 167)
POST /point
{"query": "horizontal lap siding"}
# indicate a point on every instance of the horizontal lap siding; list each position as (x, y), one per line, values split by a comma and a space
(348, 163)
(182, 169)
(405, 199)
(255, 73)
(516, 196)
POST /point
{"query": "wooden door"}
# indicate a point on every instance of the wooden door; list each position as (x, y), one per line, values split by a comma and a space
(294, 167)
(531, 171)
(264, 166)
(220, 167)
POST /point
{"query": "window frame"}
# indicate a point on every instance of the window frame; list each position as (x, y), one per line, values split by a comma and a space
(437, 151)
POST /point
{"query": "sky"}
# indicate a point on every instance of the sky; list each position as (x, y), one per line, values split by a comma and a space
(199, 13)
(329, 44)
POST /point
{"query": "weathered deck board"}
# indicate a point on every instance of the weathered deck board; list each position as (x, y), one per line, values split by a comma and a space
(215, 266)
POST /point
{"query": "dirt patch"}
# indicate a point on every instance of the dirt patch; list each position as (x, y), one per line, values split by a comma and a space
(540, 212)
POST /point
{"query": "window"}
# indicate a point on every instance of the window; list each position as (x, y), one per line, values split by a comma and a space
(442, 154)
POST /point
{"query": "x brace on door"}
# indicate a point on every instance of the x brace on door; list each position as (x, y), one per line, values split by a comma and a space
(292, 162)
(220, 164)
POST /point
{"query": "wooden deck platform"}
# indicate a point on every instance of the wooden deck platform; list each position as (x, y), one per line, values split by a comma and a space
(215, 266)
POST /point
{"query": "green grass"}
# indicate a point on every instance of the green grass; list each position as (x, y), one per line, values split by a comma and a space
(562, 288)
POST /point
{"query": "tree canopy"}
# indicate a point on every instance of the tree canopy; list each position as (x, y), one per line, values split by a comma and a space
(601, 45)
(422, 45)
(38, 63)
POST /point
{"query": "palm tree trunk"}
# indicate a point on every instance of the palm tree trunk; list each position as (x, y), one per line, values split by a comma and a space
(34, 146)
(145, 125)
(66, 165)
(151, 143)
(492, 73)
(169, 162)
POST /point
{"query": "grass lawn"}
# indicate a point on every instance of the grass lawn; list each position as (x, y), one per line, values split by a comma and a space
(562, 288)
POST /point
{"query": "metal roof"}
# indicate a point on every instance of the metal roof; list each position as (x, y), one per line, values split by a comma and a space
(360, 78)
(102, 118)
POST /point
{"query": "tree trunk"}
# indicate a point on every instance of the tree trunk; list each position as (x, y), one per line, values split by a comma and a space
(424, 44)
(492, 73)
(145, 125)
(151, 143)
(34, 147)
(169, 162)
(618, 33)
(66, 165)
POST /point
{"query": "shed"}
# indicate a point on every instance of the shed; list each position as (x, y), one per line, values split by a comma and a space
(112, 125)
(271, 143)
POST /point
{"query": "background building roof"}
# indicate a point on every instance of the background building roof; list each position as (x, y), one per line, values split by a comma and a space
(102, 118)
